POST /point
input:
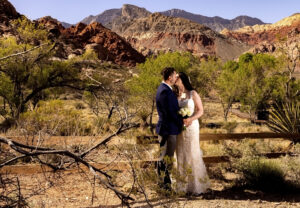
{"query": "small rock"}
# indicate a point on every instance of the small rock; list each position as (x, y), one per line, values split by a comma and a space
(277, 203)
(71, 56)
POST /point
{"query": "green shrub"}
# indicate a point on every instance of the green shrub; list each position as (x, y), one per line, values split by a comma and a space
(230, 126)
(260, 173)
(264, 175)
(55, 118)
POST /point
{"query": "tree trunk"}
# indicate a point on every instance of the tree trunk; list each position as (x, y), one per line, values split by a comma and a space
(226, 109)
(226, 114)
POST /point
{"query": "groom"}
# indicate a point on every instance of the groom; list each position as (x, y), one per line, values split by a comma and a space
(169, 124)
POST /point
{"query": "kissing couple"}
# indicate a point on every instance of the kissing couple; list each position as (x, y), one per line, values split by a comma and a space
(180, 133)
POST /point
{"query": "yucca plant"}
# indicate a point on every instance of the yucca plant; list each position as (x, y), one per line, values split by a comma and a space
(285, 118)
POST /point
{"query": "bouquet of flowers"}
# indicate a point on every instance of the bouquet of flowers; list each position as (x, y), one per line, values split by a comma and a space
(185, 113)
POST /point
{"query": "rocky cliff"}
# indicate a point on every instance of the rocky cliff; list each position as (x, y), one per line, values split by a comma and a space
(215, 23)
(288, 27)
(157, 32)
(104, 18)
(114, 17)
(267, 38)
(108, 45)
(7, 12)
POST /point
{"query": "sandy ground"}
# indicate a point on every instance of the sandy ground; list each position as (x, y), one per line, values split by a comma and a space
(77, 189)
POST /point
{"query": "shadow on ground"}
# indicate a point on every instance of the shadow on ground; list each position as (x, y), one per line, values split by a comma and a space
(234, 193)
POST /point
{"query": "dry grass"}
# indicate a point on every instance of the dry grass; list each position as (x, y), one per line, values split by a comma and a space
(213, 113)
(75, 189)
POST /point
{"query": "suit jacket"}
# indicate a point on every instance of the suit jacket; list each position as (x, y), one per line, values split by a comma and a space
(170, 122)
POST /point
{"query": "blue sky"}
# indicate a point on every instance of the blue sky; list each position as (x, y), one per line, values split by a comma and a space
(72, 11)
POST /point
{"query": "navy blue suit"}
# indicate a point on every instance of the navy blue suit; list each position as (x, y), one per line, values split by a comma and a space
(168, 127)
(170, 122)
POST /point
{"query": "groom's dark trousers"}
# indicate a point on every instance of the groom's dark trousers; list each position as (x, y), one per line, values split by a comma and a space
(168, 127)
(167, 149)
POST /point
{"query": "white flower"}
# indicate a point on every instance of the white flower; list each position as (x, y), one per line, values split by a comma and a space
(185, 112)
(183, 95)
(189, 113)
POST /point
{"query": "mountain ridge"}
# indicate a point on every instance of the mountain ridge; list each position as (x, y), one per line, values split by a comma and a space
(216, 23)
(158, 33)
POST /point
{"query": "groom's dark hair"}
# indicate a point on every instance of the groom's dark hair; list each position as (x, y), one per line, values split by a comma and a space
(166, 72)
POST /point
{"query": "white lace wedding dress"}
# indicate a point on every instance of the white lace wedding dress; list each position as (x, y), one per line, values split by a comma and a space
(193, 178)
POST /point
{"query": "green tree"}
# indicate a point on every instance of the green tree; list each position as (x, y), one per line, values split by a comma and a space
(204, 75)
(254, 80)
(143, 86)
(289, 54)
(261, 80)
(27, 70)
(226, 85)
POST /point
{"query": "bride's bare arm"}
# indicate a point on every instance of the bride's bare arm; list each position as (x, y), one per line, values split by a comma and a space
(198, 109)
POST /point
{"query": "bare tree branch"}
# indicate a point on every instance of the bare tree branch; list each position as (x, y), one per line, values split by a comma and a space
(11, 142)
(107, 139)
(108, 184)
(22, 53)
(12, 160)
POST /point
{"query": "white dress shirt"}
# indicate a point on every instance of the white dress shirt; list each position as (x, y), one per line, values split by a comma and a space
(167, 85)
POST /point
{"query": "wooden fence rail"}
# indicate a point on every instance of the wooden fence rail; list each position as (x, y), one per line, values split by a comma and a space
(203, 137)
(123, 165)
(119, 165)
(234, 136)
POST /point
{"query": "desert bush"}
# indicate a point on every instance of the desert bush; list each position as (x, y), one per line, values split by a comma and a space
(79, 106)
(290, 165)
(56, 119)
(101, 124)
(263, 174)
(143, 114)
(230, 126)
(260, 173)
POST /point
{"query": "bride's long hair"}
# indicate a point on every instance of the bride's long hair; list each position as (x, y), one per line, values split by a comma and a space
(186, 81)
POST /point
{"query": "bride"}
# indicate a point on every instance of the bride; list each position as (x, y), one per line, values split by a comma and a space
(190, 166)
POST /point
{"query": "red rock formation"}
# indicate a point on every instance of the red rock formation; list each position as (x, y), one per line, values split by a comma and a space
(270, 36)
(53, 26)
(156, 33)
(108, 45)
(285, 34)
(7, 11)
(199, 45)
